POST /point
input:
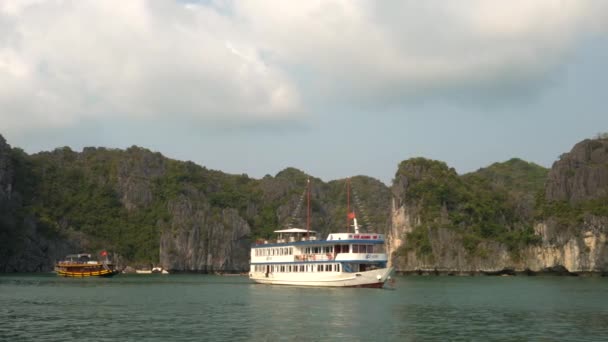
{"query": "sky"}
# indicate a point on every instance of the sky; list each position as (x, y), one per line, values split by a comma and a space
(335, 88)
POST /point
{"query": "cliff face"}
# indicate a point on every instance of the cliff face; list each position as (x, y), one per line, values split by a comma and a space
(204, 239)
(570, 237)
(581, 174)
(25, 245)
(148, 209)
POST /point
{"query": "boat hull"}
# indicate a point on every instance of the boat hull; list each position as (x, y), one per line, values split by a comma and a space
(370, 279)
(83, 274)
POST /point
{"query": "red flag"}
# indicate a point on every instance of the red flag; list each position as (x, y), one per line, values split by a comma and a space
(104, 253)
(351, 215)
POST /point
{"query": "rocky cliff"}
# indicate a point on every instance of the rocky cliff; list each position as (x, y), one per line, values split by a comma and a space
(148, 209)
(581, 174)
(563, 230)
(25, 243)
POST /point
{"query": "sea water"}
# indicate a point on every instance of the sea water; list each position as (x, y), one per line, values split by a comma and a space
(44, 307)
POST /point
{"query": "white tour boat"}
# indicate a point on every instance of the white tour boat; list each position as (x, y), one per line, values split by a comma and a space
(297, 257)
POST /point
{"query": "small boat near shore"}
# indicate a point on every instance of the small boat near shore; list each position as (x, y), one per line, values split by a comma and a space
(83, 265)
(154, 270)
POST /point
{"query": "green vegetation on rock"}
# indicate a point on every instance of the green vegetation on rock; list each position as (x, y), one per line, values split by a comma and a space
(494, 203)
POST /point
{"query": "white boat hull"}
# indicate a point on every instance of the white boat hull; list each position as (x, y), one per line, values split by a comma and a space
(374, 278)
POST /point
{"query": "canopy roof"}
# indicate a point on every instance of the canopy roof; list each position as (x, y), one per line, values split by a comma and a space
(294, 230)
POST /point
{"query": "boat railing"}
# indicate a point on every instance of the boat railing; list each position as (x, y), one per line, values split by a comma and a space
(309, 238)
(284, 240)
(314, 257)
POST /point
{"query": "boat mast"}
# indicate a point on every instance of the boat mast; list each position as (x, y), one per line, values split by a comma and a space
(347, 204)
(308, 209)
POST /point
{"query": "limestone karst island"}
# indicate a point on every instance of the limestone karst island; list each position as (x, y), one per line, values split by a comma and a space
(511, 217)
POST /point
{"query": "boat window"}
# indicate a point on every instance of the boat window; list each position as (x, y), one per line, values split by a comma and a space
(301, 268)
(327, 268)
(338, 267)
(355, 248)
(290, 250)
(319, 268)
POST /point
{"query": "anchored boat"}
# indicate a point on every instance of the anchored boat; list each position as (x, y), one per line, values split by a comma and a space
(82, 265)
(297, 257)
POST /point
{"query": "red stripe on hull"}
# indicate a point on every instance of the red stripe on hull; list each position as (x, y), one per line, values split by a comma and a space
(373, 285)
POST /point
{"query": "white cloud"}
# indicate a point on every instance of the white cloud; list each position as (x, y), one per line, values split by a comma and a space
(64, 61)
(250, 60)
(367, 49)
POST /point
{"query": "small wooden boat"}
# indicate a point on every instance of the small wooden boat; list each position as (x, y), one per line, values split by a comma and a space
(82, 265)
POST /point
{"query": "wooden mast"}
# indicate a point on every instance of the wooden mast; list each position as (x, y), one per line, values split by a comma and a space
(348, 204)
(308, 209)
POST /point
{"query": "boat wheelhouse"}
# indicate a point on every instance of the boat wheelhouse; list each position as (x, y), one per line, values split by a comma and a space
(82, 265)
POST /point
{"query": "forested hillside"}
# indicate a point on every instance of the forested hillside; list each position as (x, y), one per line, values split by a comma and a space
(148, 209)
(132, 202)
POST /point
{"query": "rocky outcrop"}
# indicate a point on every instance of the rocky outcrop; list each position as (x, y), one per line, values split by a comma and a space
(24, 244)
(204, 239)
(582, 252)
(563, 244)
(581, 174)
(156, 210)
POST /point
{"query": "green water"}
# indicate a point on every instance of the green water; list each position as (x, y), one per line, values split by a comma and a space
(214, 308)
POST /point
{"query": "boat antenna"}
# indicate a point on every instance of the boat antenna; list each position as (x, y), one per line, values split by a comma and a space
(308, 209)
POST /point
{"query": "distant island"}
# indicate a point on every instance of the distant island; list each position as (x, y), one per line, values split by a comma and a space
(508, 218)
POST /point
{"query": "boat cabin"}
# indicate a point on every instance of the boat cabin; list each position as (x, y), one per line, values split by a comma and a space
(295, 234)
(82, 258)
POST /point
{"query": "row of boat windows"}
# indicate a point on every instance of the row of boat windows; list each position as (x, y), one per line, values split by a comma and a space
(297, 268)
(368, 249)
(273, 251)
